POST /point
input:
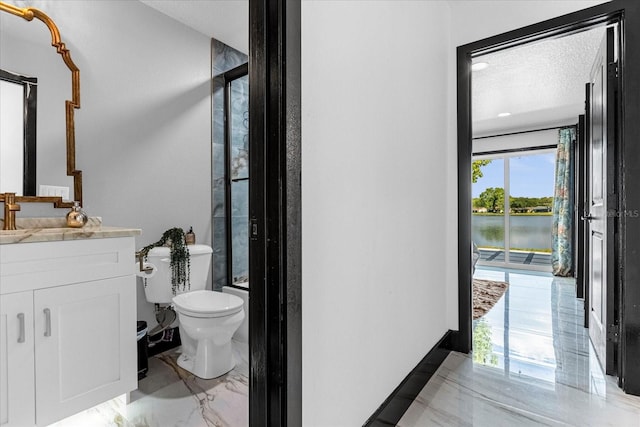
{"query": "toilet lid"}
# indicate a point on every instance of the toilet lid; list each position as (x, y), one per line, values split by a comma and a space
(207, 304)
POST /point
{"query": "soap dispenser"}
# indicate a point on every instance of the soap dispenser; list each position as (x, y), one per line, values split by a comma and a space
(190, 237)
(76, 217)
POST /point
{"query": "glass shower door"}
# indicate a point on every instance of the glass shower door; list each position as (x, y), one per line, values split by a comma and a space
(237, 177)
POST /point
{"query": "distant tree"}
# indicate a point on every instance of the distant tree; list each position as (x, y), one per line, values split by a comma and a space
(517, 203)
(493, 198)
(546, 201)
(476, 169)
(529, 202)
(476, 202)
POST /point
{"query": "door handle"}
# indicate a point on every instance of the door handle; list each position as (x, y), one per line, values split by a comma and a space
(20, 327)
(589, 217)
(47, 322)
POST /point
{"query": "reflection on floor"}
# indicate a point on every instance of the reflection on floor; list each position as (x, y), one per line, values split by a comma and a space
(532, 365)
(171, 396)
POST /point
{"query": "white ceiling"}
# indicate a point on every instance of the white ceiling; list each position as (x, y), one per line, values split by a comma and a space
(224, 20)
(541, 84)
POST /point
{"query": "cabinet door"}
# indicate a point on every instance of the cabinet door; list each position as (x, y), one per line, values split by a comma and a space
(17, 396)
(85, 345)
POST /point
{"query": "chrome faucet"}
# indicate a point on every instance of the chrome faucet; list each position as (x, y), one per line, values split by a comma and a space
(10, 209)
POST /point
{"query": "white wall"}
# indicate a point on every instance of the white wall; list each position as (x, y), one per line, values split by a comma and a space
(374, 106)
(380, 188)
(143, 133)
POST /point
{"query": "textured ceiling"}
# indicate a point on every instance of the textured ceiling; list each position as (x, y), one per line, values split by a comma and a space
(224, 20)
(540, 84)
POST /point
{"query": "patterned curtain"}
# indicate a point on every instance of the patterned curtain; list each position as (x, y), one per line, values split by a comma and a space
(562, 228)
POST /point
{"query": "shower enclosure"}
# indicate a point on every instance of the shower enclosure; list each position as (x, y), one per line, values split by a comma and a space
(231, 179)
(237, 174)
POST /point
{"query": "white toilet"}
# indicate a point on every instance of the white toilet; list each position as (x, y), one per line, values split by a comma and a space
(207, 319)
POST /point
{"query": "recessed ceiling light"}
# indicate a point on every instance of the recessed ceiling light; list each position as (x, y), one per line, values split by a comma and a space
(504, 114)
(479, 66)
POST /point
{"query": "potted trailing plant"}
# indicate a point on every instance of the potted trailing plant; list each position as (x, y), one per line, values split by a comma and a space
(180, 262)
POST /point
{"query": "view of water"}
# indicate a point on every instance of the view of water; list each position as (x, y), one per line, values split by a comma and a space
(527, 232)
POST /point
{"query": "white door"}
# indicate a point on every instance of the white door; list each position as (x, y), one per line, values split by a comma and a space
(599, 226)
(85, 345)
(17, 395)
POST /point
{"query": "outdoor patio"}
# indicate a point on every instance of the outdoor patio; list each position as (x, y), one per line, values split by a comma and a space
(516, 257)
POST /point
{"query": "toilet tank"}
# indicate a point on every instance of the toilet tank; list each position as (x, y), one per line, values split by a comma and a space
(158, 286)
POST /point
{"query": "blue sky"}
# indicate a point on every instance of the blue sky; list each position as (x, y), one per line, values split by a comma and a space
(531, 175)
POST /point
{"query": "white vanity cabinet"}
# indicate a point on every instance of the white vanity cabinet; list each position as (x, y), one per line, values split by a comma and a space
(68, 327)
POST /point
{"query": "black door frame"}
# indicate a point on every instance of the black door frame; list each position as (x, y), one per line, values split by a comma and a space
(275, 322)
(627, 12)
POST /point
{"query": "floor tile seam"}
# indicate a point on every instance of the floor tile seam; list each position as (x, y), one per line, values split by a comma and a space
(448, 416)
(490, 373)
(476, 394)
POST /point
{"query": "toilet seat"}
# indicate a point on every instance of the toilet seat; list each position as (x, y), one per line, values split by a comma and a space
(207, 304)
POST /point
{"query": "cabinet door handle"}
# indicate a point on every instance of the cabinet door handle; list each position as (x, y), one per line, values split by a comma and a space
(20, 327)
(47, 322)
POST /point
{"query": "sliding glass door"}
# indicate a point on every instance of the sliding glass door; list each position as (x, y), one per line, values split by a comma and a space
(488, 219)
(512, 202)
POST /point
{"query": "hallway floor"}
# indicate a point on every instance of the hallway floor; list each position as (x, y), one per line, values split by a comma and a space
(532, 365)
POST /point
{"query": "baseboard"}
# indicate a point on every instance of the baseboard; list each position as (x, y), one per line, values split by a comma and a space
(394, 407)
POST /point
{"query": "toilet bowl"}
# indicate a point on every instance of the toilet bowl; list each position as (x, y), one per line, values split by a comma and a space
(207, 319)
(241, 290)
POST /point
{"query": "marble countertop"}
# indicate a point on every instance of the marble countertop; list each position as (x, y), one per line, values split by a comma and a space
(29, 230)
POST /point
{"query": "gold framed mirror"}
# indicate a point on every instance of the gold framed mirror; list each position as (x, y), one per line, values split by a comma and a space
(70, 106)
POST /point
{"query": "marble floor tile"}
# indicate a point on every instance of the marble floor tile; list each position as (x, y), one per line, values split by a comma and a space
(532, 365)
(171, 396)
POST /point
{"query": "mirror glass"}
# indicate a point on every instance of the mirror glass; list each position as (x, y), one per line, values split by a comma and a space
(18, 100)
(26, 50)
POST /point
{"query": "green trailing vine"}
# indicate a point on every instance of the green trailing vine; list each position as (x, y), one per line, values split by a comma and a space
(180, 263)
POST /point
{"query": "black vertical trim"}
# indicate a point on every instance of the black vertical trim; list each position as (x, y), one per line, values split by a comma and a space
(293, 203)
(274, 205)
(627, 12)
(587, 240)
(227, 180)
(259, 364)
(611, 194)
(30, 140)
(579, 210)
(462, 343)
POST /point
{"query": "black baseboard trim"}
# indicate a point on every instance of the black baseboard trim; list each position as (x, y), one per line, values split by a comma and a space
(394, 407)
